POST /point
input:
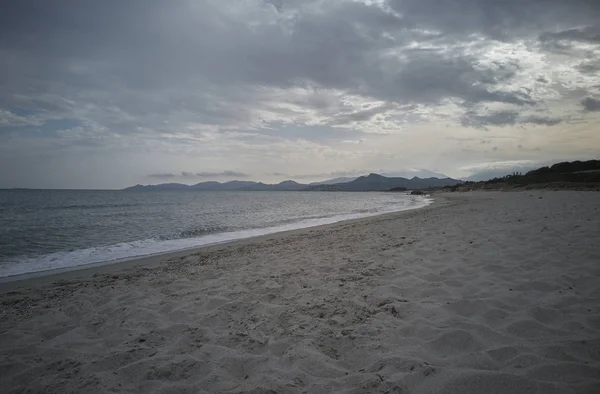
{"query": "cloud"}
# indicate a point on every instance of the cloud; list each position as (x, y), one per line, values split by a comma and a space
(590, 104)
(578, 42)
(323, 175)
(507, 118)
(500, 118)
(164, 175)
(165, 67)
(354, 142)
(541, 120)
(589, 67)
(590, 34)
(501, 20)
(204, 174)
(360, 115)
(225, 174)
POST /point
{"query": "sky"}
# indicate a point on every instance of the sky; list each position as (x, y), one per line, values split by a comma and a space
(106, 94)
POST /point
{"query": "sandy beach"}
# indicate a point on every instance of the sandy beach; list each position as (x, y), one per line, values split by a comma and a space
(484, 292)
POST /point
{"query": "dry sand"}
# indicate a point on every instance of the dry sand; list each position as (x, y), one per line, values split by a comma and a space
(479, 293)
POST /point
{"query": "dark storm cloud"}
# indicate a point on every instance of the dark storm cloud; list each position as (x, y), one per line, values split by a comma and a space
(590, 104)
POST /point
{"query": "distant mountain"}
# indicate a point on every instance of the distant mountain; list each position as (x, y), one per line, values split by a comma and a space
(232, 185)
(408, 174)
(373, 182)
(289, 185)
(210, 185)
(282, 186)
(218, 186)
(334, 181)
(162, 186)
(419, 173)
(364, 183)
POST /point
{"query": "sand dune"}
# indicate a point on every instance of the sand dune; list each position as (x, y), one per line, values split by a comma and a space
(478, 293)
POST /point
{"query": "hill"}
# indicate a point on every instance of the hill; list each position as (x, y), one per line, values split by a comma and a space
(162, 186)
(282, 186)
(564, 175)
(412, 173)
(212, 185)
(333, 181)
(376, 182)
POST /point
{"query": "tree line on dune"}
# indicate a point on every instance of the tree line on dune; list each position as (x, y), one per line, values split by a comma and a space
(564, 175)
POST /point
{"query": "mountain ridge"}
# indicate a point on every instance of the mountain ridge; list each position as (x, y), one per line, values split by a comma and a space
(408, 174)
(377, 182)
(334, 181)
(370, 182)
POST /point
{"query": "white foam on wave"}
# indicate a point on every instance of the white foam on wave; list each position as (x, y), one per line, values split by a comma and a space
(148, 247)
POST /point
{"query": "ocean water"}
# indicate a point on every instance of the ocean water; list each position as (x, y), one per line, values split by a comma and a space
(44, 229)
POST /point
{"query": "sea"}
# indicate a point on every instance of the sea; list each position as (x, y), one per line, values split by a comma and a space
(42, 230)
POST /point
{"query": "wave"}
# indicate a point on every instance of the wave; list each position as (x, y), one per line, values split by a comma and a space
(153, 246)
(91, 206)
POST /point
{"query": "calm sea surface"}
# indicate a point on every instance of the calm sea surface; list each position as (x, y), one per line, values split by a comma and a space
(43, 230)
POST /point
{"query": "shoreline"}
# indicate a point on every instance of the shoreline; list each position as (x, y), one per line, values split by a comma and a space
(427, 200)
(129, 263)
